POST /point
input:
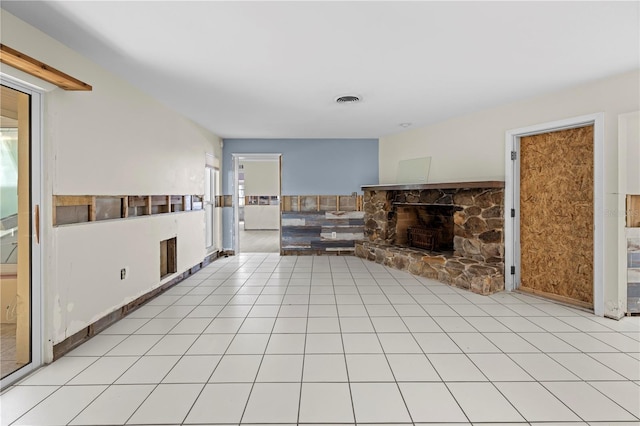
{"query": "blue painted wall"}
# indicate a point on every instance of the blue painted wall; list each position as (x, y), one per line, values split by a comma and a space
(309, 166)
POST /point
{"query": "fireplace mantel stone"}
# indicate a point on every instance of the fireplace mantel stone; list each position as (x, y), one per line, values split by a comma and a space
(477, 262)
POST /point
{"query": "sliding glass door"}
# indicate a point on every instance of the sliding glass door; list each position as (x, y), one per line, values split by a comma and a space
(19, 232)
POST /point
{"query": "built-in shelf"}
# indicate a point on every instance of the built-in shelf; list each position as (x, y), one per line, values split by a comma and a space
(435, 185)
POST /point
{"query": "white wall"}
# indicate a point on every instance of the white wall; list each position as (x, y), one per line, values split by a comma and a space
(114, 140)
(629, 128)
(261, 177)
(471, 147)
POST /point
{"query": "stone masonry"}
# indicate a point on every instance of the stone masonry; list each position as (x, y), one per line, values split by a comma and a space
(477, 260)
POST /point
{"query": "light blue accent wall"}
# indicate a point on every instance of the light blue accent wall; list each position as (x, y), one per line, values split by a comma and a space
(309, 166)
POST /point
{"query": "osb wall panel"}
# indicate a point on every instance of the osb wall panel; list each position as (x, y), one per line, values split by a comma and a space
(556, 214)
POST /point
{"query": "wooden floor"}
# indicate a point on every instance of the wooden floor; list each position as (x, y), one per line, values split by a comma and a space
(8, 349)
(259, 241)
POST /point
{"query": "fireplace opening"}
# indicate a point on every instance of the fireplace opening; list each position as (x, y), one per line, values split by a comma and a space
(427, 227)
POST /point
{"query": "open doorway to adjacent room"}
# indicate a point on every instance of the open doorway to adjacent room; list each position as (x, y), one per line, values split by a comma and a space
(257, 197)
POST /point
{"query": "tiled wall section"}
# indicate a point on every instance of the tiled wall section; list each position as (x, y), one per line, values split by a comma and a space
(633, 270)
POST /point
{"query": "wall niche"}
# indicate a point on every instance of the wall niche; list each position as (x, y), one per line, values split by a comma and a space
(168, 257)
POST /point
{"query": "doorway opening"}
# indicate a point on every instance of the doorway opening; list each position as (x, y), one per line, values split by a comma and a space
(19, 231)
(257, 183)
(554, 214)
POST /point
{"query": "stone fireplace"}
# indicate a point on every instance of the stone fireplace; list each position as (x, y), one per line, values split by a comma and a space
(458, 227)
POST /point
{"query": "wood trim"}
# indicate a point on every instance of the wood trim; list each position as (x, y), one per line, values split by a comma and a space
(441, 185)
(71, 200)
(633, 211)
(23, 285)
(92, 210)
(293, 203)
(55, 210)
(557, 298)
(41, 70)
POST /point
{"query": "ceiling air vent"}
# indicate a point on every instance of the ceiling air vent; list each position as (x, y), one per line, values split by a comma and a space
(347, 99)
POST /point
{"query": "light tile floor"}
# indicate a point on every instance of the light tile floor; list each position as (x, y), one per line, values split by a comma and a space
(263, 339)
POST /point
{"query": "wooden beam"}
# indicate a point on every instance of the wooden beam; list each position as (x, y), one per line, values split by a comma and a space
(92, 210)
(38, 69)
(633, 211)
(54, 210)
(72, 200)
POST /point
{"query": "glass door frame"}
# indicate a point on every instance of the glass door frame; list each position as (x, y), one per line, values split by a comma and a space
(36, 258)
(209, 201)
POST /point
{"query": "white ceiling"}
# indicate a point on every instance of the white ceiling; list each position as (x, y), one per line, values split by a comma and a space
(273, 69)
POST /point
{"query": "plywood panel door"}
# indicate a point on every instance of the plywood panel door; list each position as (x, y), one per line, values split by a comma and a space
(557, 215)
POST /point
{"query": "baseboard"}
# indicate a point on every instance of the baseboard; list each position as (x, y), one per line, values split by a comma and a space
(96, 327)
(588, 307)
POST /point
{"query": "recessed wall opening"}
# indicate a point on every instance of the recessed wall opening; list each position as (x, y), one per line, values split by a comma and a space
(168, 257)
(71, 214)
(109, 208)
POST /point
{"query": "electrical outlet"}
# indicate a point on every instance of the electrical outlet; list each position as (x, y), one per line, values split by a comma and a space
(334, 235)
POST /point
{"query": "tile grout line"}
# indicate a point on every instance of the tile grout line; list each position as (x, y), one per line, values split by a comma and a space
(265, 348)
(384, 352)
(344, 351)
(97, 396)
(221, 356)
(568, 320)
(169, 371)
(304, 346)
